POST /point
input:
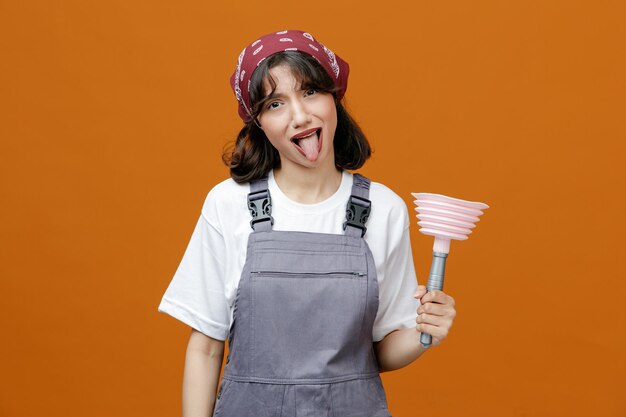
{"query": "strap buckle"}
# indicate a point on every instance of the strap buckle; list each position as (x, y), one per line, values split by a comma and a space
(260, 207)
(357, 213)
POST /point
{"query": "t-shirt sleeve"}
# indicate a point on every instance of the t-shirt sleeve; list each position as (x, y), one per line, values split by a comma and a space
(196, 294)
(397, 307)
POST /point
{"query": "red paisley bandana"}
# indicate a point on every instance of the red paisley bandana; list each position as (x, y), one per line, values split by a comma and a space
(286, 40)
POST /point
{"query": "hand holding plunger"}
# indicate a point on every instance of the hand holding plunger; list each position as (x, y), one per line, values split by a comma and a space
(445, 218)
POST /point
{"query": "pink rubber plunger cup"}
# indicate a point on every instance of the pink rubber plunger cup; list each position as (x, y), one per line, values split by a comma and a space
(444, 218)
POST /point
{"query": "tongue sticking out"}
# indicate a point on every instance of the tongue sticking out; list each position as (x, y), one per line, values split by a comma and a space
(310, 147)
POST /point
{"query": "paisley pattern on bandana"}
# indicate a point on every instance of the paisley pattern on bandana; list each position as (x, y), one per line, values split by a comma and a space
(286, 40)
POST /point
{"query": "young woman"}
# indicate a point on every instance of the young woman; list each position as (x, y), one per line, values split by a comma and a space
(303, 266)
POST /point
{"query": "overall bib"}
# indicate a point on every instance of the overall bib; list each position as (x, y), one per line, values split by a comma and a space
(301, 340)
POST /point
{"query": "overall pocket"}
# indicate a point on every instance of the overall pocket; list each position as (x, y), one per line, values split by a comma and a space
(306, 322)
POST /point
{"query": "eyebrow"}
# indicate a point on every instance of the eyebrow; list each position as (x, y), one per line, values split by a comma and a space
(274, 95)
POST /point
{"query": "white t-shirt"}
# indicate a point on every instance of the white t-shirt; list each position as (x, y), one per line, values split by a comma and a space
(202, 292)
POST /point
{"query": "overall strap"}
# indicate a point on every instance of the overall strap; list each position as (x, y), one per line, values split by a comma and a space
(358, 208)
(260, 205)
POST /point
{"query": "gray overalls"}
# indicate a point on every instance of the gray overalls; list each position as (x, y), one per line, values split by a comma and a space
(301, 340)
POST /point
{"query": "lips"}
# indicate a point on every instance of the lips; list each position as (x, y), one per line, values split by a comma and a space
(308, 143)
(295, 138)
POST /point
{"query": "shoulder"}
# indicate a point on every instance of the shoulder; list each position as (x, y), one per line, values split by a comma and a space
(386, 202)
(387, 228)
(226, 197)
(227, 188)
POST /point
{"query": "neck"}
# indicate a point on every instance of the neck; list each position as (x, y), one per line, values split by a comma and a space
(307, 185)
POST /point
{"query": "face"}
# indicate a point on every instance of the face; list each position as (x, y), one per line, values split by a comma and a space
(299, 123)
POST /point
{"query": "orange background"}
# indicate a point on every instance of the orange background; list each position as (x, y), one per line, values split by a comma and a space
(112, 121)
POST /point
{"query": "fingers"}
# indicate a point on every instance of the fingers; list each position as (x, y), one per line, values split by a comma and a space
(421, 291)
(437, 296)
(437, 309)
(438, 333)
(431, 320)
(435, 315)
(436, 303)
(437, 326)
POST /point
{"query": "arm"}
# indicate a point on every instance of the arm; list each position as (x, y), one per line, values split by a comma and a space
(401, 347)
(203, 363)
(398, 349)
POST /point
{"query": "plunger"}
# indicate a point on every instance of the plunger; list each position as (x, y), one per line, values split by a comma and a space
(446, 219)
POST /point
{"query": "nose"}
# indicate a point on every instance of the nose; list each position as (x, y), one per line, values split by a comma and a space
(300, 114)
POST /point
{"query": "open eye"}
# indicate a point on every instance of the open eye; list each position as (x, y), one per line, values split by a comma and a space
(310, 92)
(273, 105)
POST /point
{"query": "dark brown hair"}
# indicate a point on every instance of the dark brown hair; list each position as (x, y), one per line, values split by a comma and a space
(252, 155)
